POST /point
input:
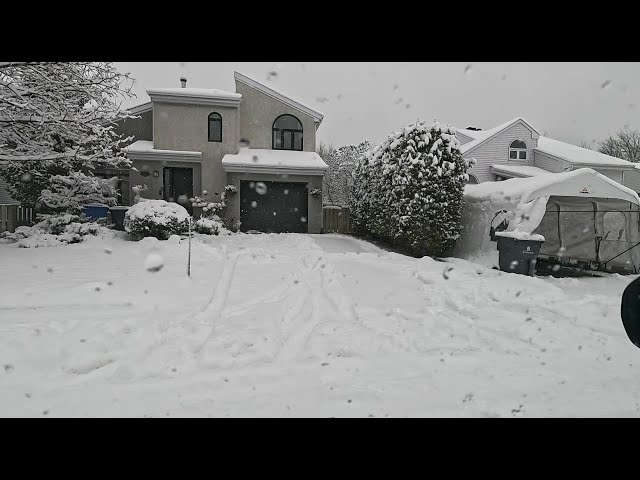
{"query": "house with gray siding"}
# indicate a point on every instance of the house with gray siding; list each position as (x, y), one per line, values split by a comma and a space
(197, 142)
(516, 149)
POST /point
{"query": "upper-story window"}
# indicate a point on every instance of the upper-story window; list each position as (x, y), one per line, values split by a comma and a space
(287, 133)
(215, 127)
(518, 150)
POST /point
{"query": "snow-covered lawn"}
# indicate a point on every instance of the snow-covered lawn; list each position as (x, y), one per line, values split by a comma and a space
(302, 325)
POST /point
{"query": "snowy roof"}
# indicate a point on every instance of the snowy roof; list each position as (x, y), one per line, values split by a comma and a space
(203, 96)
(190, 92)
(317, 116)
(583, 182)
(144, 148)
(142, 108)
(575, 154)
(278, 161)
(518, 170)
(479, 136)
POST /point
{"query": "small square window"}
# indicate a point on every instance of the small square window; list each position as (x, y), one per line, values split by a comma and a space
(522, 155)
(513, 155)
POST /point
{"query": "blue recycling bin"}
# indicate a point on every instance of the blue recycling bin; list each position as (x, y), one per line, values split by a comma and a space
(96, 210)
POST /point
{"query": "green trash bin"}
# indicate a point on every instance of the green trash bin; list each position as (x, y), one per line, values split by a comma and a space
(518, 253)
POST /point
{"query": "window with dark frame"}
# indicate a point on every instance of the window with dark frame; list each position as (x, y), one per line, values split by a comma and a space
(287, 133)
(518, 150)
(215, 127)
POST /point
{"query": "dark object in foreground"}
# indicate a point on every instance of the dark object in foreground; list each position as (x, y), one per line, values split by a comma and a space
(630, 311)
(117, 216)
(518, 256)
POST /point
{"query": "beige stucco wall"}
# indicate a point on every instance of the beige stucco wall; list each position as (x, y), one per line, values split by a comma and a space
(185, 127)
(314, 203)
(258, 111)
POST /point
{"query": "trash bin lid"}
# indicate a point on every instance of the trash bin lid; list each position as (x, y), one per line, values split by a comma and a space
(119, 207)
(95, 205)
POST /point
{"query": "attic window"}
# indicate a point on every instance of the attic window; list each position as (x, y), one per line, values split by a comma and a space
(518, 150)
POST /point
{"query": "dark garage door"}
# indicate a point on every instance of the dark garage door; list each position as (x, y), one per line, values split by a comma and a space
(273, 207)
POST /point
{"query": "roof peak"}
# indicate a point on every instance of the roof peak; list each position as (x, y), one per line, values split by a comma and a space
(315, 114)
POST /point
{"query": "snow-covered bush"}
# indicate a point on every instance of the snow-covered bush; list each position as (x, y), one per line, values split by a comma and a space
(212, 219)
(156, 218)
(68, 193)
(409, 189)
(53, 230)
(211, 226)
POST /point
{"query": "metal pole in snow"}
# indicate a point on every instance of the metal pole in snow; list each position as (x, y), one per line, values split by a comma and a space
(189, 258)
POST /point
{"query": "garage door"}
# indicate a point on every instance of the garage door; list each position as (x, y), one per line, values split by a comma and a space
(273, 207)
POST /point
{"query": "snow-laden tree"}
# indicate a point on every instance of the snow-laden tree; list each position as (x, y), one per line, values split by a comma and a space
(68, 193)
(409, 189)
(56, 119)
(338, 178)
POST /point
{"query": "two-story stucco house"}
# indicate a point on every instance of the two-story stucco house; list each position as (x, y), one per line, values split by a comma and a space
(191, 140)
(517, 149)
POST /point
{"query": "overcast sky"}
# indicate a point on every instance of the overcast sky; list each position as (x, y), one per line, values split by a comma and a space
(572, 102)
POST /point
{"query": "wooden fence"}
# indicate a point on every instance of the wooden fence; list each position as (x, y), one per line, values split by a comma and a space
(336, 219)
(12, 216)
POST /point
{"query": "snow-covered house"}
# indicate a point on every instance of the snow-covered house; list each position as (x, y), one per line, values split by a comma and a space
(516, 149)
(189, 141)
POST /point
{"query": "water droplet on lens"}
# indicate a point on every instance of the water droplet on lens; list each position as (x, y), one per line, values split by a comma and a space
(261, 188)
(154, 262)
(254, 204)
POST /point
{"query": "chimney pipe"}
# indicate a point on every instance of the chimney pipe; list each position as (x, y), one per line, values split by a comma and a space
(183, 81)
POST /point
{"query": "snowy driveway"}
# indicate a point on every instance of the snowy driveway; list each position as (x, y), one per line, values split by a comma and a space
(302, 325)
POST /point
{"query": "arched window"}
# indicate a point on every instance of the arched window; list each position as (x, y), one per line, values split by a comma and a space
(518, 150)
(473, 180)
(215, 127)
(287, 133)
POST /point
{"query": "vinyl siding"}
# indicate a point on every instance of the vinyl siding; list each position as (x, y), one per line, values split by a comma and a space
(632, 180)
(615, 175)
(495, 151)
(5, 196)
(547, 162)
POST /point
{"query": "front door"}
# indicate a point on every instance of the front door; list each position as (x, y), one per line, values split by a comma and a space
(178, 186)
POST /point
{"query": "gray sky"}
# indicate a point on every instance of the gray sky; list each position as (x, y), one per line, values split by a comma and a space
(567, 101)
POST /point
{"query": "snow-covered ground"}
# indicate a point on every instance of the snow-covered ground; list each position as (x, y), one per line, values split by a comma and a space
(302, 325)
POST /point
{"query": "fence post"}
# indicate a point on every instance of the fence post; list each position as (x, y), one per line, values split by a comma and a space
(3, 218)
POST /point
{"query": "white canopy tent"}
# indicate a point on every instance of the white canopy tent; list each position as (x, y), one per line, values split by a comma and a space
(584, 216)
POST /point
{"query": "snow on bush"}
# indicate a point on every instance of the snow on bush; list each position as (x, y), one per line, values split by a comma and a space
(70, 192)
(53, 231)
(211, 226)
(409, 189)
(156, 218)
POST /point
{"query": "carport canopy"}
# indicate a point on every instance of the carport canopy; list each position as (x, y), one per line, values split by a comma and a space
(584, 182)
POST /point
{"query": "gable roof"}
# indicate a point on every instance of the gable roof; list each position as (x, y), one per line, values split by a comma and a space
(301, 107)
(578, 155)
(481, 136)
